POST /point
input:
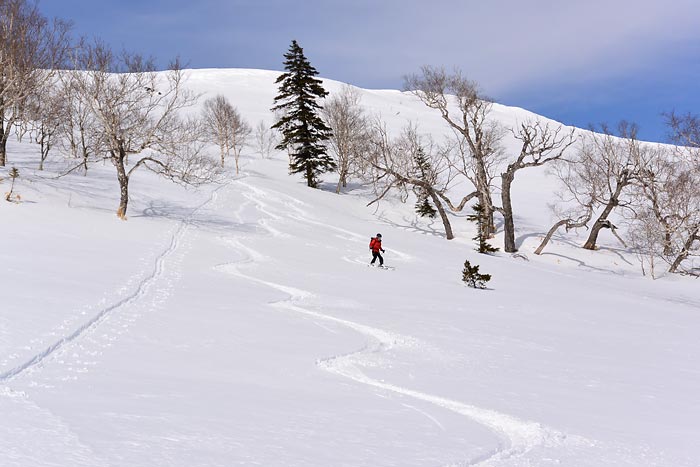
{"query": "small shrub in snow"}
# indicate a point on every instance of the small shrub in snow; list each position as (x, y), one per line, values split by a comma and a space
(10, 195)
(472, 277)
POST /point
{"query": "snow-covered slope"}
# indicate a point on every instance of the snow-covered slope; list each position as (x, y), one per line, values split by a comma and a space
(238, 324)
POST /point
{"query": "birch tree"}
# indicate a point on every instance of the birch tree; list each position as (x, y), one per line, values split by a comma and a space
(226, 127)
(667, 224)
(47, 111)
(540, 145)
(611, 165)
(136, 112)
(349, 133)
(395, 165)
(466, 112)
(32, 47)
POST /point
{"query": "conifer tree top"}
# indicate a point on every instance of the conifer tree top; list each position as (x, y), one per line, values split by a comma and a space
(298, 79)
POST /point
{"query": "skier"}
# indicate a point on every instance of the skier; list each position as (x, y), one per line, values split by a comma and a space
(375, 245)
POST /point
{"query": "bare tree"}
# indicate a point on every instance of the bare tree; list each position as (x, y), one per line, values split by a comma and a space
(45, 111)
(684, 129)
(685, 192)
(224, 124)
(349, 127)
(79, 129)
(136, 114)
(602, 178)
(670, 216)
(409, 161)
(610, 165)
(31, 49)
(265, 139)
(478, 137)
(577, 198)
(540, 145)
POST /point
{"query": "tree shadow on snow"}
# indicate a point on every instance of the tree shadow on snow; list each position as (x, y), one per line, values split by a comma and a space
(411, 225)
(582, 264)
(203, 219)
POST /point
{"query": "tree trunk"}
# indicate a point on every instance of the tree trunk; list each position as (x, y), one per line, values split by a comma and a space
(3, 141)
(223, 154)
(310, 182)
(44, 148)
(86, 154)
(443, 214)
(488, 226)
(342, 180)
(692, 238)
(569, 223)
(599, 224)
(548, 237)
(123, 184)
(507, 206)
(236, 157)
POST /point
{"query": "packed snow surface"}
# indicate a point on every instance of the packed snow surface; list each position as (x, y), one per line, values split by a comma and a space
(239, 324)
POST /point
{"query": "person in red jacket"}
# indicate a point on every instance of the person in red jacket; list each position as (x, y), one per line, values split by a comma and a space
(375, 245)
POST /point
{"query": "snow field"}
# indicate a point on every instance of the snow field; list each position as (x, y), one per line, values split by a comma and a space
(238, 324)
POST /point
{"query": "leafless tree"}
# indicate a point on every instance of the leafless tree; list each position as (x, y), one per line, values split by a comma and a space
(265, 139)
(31, 49)
(349, 126)
(670, 212)
(136, 111)
(225, 126)
(643, 231)
(466, 112)
(601, 178)
(577, 199)
(684, 129)
(394, 163)
(607, 167)
(81, 137)
(540, 144)
(45, 112)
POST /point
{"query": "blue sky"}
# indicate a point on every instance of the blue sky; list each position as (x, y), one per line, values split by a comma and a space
(579, 62)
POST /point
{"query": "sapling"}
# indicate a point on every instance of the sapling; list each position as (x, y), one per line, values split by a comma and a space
(472, 277)
(9, 196)
(479, 218)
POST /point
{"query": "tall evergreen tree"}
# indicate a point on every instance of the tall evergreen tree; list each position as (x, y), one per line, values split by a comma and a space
(303, 131)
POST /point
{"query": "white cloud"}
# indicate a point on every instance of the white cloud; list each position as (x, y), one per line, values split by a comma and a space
(506, 44)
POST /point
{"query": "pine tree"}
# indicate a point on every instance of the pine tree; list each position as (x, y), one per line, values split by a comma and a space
(303, 131)
(472, 277)
(423, 172)
(479, 217)
(424, 208)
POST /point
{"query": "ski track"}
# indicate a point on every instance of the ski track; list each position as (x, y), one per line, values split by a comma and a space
(304, 217)
(515, 437)
(142, 289)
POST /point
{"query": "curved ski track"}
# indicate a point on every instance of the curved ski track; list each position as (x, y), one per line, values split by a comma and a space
(141, 290)
(516, 437)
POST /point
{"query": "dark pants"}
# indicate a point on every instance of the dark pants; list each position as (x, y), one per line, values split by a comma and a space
(375, 255)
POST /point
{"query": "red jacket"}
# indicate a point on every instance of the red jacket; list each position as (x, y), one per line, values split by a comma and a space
(375, 245)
